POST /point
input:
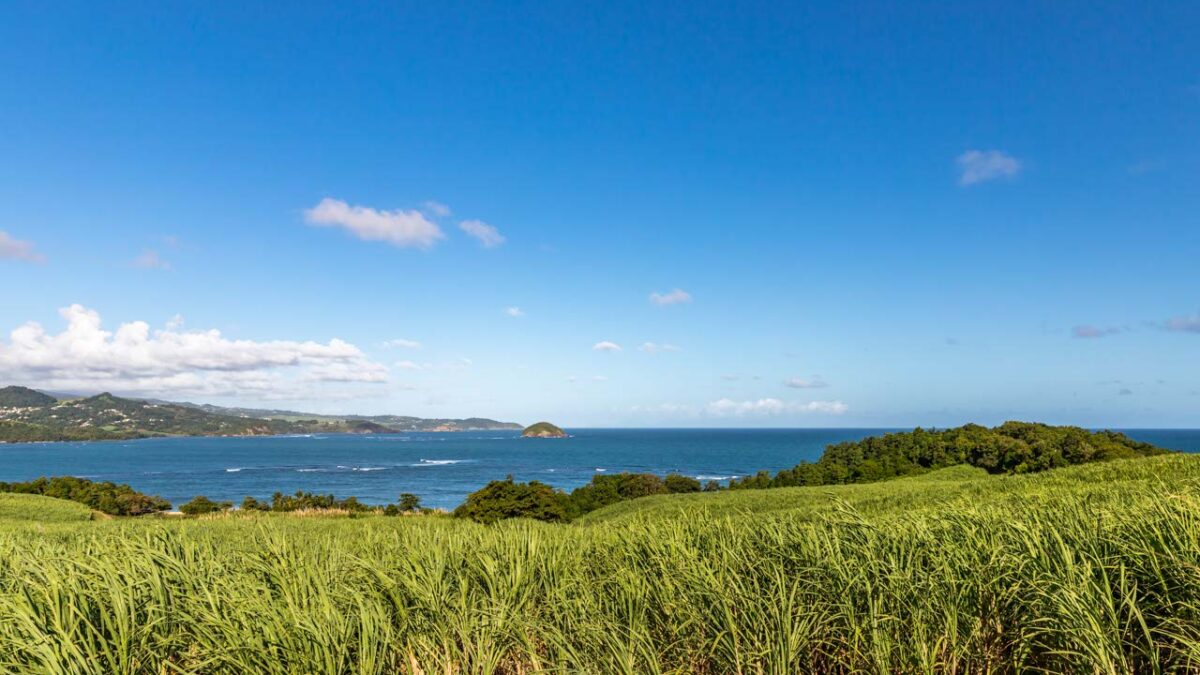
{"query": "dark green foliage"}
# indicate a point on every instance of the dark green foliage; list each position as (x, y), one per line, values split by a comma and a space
(608, 489)
(252, 504)
(307, 500)
(409, 502)
(21, 432)
(391, 510)
(367, 427)
(110, 498)
(201, 505)
(502, 499)
(678, 483)
(1013, 447)
(23, 397)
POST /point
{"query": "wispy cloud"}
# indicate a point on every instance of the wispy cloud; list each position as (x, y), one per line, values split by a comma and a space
(409, 365)
(437, 209)
(1125, 392)
(814, 382)
(400, 228)
(515, 312)
(487, 235)
(401, 343)
(655, 347)
(1085, 332)
(150, 260)
(1184, 324)
(606, 346)
(674, 297)
(769, 407)
(15, 249)
(980, 166)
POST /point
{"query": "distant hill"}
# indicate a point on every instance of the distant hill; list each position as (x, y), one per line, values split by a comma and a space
(543, 430)
(23, 397)
(27, 415)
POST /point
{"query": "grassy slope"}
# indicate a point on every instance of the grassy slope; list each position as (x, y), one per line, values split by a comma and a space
(1086, 569)
(38, 509)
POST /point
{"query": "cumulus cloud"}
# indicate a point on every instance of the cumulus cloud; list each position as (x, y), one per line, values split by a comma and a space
(606, 346)
(674, 297)
(437, 209)
(655, 348)
(814, 382)
(402, 344)
(150, 260)
(135, 359)
(980, 166)
(15, 249)
(770, 407)
(399, 228)
(514, 312)
(487, 235)
(1087, 332)
(1184, 324)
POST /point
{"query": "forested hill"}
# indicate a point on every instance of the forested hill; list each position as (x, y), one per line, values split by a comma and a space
(1013, 447)
(27, 415)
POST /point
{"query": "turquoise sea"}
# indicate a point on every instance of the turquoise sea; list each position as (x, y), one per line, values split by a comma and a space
(440, 467)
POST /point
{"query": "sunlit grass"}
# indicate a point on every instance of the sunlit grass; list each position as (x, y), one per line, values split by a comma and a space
(1088, 569)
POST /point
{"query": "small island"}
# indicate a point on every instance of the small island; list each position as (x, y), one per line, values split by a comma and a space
(543, 430)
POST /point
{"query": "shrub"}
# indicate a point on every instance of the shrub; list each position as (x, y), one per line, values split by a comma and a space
(678, 483)
(502, 499)
(252, 504)
(201, 505)
(111, 498)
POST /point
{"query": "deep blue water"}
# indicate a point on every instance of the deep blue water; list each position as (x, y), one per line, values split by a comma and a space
(440, 467)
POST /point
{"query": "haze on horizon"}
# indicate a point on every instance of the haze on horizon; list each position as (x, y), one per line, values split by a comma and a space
(620, 215)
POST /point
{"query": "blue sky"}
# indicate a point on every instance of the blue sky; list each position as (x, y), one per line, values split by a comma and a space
(876, 214)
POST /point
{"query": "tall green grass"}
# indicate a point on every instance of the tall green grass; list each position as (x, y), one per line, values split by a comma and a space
(1092, 569)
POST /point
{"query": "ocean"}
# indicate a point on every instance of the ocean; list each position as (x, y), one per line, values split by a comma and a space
(442, 468)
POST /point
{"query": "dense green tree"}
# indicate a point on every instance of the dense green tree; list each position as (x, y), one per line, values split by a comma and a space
(678, 483)
(502, 499)
(111, 498)
(201, 505)
(409, 502)
(1012, 447)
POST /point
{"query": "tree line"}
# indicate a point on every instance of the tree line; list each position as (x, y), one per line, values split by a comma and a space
(1012, 448)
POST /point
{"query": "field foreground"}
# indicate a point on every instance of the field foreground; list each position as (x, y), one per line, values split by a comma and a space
(1087, 569)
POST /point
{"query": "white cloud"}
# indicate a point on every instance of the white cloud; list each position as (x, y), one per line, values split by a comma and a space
(514, 312)
(767, 407)
(150, 260)
(606, 346)
(409, 365)
(487, 235)
(655, 348)
(401, 343)
(814, 382)
(15, 249)
(674, 297)
(979, 166)
(436, 208)
(399, 228)
(134, 359)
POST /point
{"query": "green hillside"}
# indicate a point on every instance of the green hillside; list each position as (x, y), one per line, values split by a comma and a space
(1084, 569)
(23, 397)
(39, 509)
(27, 415)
